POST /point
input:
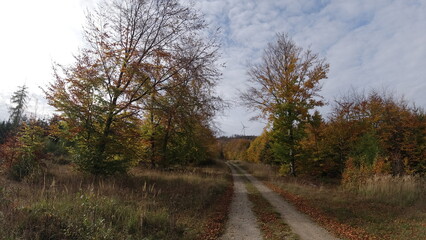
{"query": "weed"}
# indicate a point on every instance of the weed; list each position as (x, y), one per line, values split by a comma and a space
(397, 190)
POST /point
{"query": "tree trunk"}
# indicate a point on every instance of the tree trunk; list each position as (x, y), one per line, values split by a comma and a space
(292, 151)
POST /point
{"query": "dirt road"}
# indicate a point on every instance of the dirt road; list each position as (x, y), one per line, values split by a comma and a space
(301, 224)
(242, 222)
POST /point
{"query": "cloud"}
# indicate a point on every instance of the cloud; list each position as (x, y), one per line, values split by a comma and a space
(369, 44)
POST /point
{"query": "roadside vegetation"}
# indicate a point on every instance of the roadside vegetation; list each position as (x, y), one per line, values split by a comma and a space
(145, 204)
(393, 209)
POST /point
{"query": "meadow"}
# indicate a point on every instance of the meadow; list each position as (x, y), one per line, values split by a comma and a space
(62, 203)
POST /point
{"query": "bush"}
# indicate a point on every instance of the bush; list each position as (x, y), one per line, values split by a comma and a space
(21, 155)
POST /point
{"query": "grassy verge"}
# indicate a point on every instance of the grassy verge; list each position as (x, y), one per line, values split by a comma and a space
(354, 215)
(146, 204)
(215, 225)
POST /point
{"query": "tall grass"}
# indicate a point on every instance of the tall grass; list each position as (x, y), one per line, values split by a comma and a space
(399, 190)
(146, 204)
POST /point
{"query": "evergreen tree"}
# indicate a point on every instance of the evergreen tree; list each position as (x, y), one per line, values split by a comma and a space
(19, 101)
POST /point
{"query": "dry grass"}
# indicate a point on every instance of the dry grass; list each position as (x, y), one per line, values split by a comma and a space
(402, 191)
(146, 204)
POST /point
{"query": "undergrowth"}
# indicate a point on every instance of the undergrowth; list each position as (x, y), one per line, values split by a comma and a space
(146, 204)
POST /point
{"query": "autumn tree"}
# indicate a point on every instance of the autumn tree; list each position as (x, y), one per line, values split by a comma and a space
(377, 129)
(235, 148)
(179, 116)
(136, 49)
(260, 149)
(19, 101)
(21, 153)
(284, 87)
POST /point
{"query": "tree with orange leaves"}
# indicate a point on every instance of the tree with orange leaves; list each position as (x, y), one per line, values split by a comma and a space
(285, 88)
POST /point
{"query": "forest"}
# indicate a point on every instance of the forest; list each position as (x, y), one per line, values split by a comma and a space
(133, 152)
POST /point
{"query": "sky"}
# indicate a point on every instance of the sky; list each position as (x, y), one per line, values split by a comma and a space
(378, 44)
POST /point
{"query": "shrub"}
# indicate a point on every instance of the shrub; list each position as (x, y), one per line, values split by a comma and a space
(20, 155)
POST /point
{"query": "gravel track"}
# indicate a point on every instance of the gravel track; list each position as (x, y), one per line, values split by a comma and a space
(242, 224)
(300, 223)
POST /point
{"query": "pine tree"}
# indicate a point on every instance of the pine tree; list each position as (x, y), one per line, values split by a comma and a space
(19, 101)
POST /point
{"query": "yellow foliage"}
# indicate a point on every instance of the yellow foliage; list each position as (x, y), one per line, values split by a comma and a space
(256, 151)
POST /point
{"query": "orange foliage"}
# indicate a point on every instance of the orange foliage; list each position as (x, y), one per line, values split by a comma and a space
(373, 133)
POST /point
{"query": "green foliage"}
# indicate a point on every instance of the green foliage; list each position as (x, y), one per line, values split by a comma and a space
(366, 149)
(5, 130)
(287, 132)
(284, 169)
(191, 148)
